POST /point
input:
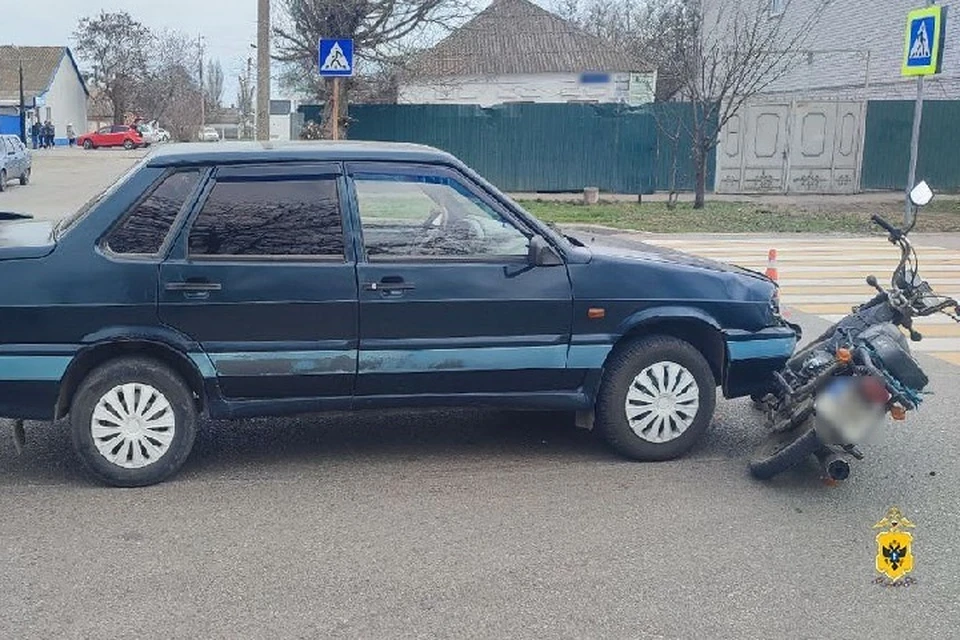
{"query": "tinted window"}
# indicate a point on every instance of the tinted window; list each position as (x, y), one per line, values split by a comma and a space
(270, 218)
(426, 216)
(145, 228)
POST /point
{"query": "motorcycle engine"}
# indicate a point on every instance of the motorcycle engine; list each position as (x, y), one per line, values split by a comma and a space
(816, 362)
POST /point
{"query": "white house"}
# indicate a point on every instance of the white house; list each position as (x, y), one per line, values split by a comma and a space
(515, 51)
(54, 90)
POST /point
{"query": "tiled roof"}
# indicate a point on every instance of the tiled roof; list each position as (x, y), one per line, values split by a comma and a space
(517, 36)
(39, 66)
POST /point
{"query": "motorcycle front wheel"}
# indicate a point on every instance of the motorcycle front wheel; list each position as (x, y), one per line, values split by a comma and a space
(780, 451)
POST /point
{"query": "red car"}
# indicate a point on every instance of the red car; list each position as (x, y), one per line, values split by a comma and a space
(116, 135)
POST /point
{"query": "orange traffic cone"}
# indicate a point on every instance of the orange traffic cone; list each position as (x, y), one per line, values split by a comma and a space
(774, 274)
(772, 271)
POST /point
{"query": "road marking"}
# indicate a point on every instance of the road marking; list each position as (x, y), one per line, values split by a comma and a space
(827, 277)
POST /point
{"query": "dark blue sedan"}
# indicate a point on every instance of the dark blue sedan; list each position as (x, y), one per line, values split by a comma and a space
(261, 280)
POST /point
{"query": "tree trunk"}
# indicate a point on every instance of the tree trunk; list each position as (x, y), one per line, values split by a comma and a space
(700, 185)
(328, 115)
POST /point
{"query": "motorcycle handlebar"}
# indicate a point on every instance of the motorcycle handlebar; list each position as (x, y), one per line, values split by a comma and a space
(886, 226)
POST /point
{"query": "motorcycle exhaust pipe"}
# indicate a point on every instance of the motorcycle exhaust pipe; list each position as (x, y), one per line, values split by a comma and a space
(834, 466)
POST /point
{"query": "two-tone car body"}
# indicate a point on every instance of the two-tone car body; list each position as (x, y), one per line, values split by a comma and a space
(264, 279)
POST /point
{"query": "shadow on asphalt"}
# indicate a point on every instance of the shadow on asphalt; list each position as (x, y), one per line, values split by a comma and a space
(444, 438)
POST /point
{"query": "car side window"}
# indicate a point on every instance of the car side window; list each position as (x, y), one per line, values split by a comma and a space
(261, 218)
(144, 229)
(431, 217)
(105, 130)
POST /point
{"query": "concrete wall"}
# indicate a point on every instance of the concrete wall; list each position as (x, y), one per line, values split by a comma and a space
(67, 102)
(855, 49)
(540, 88)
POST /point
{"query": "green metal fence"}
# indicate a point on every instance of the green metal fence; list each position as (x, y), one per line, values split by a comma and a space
(538, 147)
(886, 150)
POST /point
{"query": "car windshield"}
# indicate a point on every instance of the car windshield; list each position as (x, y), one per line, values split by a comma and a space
(69, 222)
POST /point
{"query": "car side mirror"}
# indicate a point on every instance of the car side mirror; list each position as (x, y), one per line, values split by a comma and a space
(921, 194)
(541, 254)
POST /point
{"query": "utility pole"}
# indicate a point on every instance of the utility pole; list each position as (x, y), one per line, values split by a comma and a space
(263, 69)
(23, 110)
(203, 89)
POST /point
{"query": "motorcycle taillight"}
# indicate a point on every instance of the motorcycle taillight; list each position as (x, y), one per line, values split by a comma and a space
(873, 389)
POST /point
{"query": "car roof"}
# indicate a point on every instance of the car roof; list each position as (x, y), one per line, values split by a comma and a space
(192, 153)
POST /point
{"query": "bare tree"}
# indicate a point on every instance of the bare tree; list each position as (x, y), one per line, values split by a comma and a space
(114, 46)
(649, 29)
(740, 50)
(213, 91)
(245, 100)
(169, 78)
(379, 29)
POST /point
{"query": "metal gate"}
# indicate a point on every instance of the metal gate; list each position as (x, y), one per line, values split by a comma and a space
(792, 147)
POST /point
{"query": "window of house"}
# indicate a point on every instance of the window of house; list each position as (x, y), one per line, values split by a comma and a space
(145, 228)
(431, 217)
(286, 217)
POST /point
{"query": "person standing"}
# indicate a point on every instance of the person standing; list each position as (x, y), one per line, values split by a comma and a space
(52, 132)
(35, 133)
(71, 135)
(45, 135)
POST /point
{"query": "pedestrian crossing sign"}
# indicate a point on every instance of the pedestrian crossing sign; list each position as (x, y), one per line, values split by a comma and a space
(335, 57)
(923, 41)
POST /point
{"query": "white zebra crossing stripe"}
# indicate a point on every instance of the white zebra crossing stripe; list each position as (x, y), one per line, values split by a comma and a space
(827, 277)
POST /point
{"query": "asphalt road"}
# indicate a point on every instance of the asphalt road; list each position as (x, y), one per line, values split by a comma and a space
(470, 524)
(477, 524)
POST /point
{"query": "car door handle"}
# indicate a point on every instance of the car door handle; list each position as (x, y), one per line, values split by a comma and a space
(388, 286)
(193, 286)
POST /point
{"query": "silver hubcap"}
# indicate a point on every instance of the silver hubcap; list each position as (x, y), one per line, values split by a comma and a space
(133, 425)
(662, 402)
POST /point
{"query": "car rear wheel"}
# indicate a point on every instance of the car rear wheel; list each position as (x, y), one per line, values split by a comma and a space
(133, 422)
(25, 178)
(128, 144)
(657, 398)
(88, 144)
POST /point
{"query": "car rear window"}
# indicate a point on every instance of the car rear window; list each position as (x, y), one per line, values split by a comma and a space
(145, 228)
(289, 217)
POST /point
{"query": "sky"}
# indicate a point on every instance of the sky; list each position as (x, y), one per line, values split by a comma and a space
(228, 26)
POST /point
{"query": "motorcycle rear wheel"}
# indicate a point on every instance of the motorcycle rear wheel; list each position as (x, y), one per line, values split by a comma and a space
(780, 451)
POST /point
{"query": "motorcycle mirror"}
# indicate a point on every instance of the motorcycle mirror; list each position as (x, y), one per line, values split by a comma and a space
(921, 194)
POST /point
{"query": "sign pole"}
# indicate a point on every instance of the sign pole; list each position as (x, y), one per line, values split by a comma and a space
(914, 143)
(336, 108)
(335, 58)
(914, 149)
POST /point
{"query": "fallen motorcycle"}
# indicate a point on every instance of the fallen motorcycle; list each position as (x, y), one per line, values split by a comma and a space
(837, 391)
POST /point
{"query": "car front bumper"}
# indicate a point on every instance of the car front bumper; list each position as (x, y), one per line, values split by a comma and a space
(753, 357)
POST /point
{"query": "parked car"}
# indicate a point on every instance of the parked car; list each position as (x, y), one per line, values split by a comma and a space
(163, 135)
(16, 161)
(260, 281)
(116, 135)
(208, 134)
(148, 133)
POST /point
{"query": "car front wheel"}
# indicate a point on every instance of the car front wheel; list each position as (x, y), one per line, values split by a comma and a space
(656, 399)
(128, 144)
(3, 180)
(133, 422)
(88, 144)
(25, 178)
